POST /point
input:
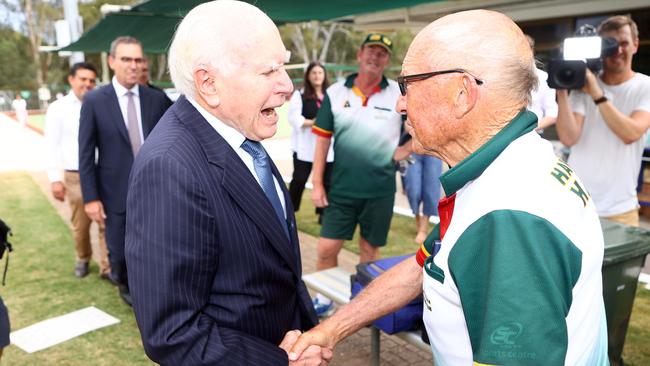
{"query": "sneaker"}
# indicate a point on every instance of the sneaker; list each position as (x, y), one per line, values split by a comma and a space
(322, 308)
(81, 269)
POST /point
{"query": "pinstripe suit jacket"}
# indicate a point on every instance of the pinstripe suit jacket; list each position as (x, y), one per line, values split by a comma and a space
(214, 279)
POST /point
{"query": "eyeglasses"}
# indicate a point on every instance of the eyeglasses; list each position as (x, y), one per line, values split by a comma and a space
(128, 60)
(403, 81)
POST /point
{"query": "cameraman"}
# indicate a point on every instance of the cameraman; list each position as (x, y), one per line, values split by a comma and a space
(605, 124)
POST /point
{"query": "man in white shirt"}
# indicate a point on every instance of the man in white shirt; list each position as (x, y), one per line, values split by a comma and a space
(543, 103)
(605, 125)
(61, 131)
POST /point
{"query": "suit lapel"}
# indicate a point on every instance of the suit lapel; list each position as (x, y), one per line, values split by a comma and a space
(241, 185)
(116, 113)
(145, 111)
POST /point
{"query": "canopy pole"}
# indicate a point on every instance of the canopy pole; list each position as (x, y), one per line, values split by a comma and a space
(105, 74)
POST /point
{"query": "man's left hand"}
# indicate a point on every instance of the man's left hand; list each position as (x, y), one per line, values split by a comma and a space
(403, 152)
(591, 86)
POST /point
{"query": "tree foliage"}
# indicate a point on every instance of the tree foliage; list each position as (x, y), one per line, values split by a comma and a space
(16, 72)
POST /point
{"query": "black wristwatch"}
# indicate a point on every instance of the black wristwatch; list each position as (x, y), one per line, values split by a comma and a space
(600, 100)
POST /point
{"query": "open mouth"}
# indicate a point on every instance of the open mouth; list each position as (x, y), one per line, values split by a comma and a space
(269, 113)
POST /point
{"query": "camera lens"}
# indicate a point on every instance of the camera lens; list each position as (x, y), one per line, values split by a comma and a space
(567, 75)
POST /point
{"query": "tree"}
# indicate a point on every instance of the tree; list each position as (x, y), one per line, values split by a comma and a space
(16, 72)
(38, 25)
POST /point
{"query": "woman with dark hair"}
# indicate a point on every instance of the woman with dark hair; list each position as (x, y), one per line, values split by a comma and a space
(303, 108)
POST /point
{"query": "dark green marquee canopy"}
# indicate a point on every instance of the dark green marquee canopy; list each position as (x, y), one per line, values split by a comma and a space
(153, 22)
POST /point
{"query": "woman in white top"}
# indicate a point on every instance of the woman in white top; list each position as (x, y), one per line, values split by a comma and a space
(303, 109)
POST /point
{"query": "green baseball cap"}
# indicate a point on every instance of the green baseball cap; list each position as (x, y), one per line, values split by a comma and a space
(379, 40)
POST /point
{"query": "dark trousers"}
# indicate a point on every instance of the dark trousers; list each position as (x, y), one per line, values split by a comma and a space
(301, 171)
(115, 231)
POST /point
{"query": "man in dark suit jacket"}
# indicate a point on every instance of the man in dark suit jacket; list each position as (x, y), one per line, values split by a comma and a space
(115, 119)
(211, 242)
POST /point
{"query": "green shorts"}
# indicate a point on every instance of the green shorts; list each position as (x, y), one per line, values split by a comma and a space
(373, 215)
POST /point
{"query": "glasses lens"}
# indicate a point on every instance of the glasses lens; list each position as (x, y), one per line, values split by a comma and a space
(402, 85)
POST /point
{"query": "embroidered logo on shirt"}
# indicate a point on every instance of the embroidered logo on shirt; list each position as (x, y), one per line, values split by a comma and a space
(346, 104)
(506, 334)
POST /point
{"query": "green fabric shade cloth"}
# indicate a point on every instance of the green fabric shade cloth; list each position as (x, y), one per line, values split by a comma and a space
(155, 32)
(154, 21)
(289, 11)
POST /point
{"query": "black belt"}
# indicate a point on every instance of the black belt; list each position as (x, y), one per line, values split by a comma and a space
(71, 171)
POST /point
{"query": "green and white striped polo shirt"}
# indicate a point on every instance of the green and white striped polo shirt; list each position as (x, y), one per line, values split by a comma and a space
(516, 276)
(366, 131)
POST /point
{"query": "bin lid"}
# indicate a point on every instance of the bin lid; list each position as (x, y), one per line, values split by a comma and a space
(623, 242)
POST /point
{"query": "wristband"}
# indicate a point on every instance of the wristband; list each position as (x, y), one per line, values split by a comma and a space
(600, 100)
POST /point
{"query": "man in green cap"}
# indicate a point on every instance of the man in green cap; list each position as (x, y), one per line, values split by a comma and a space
(360, 114)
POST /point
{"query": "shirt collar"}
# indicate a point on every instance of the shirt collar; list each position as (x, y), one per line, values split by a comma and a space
(233, 137)
(473, 166)
(349, 81)
(120, 90)
(72, 97)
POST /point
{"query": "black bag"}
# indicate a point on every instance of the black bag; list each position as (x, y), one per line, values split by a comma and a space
(5, 233)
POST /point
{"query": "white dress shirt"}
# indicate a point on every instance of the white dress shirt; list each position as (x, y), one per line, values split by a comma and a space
(123, 100)
(303, 141)
(543, 99)
(61, 131)
(234, 138)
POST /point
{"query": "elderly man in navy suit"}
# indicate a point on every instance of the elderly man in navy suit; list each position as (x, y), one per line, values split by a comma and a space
(114, 122)
(211, 242)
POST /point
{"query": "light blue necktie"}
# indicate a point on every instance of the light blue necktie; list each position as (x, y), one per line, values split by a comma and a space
(264, 174)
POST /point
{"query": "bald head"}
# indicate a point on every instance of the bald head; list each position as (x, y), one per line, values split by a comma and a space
(487, 44)
(221, 34)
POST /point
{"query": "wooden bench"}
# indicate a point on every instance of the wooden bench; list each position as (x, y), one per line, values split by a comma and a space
(335, 284)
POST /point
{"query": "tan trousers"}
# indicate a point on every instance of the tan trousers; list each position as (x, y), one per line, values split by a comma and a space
(628, 218)
(81, 225)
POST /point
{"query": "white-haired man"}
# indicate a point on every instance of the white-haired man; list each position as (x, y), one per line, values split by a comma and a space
(211, 247)
(511, 275)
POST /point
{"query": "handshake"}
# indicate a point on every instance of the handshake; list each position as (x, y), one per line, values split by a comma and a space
(314, 347)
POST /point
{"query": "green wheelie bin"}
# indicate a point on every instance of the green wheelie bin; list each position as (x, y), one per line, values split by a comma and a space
(625, 251)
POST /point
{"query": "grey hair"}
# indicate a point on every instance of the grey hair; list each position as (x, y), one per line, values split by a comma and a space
(498, 55)
(123, 40)
(209, 35)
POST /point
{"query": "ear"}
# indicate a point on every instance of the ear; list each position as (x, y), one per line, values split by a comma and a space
(466, 96)
(206, 86)
(111, 62)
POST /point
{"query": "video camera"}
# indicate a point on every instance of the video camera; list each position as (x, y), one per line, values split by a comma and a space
(585, 50)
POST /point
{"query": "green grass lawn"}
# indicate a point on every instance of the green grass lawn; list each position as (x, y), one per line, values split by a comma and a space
(40, 284)
(401, 237)
(36, 120)
(284, 129)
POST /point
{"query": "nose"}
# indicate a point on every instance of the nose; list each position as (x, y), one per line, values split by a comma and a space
(401, 105)
(284, 85)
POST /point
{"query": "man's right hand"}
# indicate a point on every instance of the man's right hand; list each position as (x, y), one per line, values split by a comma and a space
(318, 196)
(317, 336)
(312, 355)
(58, 190)
(95, 210)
